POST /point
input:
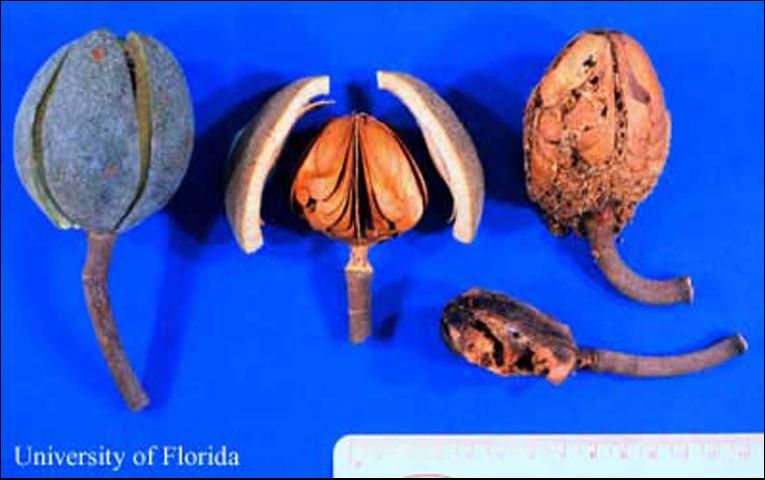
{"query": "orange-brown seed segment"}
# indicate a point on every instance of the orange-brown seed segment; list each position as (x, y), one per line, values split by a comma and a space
(358, 182)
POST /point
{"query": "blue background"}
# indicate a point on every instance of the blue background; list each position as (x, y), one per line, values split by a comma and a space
(251, 351)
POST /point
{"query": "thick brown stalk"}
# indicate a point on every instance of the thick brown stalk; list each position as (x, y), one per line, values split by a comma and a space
(640, 366)
(600, 232)
(94, 277)
(358, 276)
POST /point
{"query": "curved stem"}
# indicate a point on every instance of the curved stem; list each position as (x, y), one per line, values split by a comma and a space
(94, 277)
(600, 233)
(640, 366)
(358, 276)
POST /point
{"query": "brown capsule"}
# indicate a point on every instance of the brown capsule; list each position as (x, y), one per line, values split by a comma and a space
(358, 183)
(596, 138)
(508, 337)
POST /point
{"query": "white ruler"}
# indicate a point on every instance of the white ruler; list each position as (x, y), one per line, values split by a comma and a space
(614, 456)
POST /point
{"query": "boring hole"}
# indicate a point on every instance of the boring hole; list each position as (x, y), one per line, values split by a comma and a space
(525, 362)
(485, 360)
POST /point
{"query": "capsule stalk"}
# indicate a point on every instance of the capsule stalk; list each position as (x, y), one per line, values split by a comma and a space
(600, 233)
(668, 366)
(358, 276)
(94, 282)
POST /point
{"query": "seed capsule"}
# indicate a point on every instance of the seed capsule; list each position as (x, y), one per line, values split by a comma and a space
(102, 140)
(358, 183)
(508, 337)
(596, 138)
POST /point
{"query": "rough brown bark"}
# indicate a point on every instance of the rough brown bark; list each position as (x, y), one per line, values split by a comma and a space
(94, 282)
(642, 366)
(600, 233)
(358, 276)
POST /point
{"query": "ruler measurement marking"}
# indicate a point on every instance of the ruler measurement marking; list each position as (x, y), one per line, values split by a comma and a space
(704, 454)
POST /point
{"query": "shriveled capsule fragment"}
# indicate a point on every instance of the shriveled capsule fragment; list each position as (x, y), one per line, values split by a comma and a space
(596, 138)
(508, 337)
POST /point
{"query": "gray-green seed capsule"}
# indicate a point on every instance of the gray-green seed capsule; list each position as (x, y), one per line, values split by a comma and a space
(104, 132)
(102, 140)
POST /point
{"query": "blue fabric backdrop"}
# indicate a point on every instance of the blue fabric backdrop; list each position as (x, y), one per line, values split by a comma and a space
(250, 351)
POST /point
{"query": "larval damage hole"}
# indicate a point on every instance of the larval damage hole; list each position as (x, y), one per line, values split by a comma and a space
(525, 362)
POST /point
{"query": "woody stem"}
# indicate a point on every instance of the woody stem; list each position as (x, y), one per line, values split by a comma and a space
(600, 232)
(358, 276)
(94, 282)
(640, 366)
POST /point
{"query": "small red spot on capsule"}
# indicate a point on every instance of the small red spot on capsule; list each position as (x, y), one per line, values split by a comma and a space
(110, 171)
(97, 54)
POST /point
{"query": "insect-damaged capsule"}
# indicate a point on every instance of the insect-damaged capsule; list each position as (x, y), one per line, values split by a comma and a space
(596, 137)
(508, 337)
